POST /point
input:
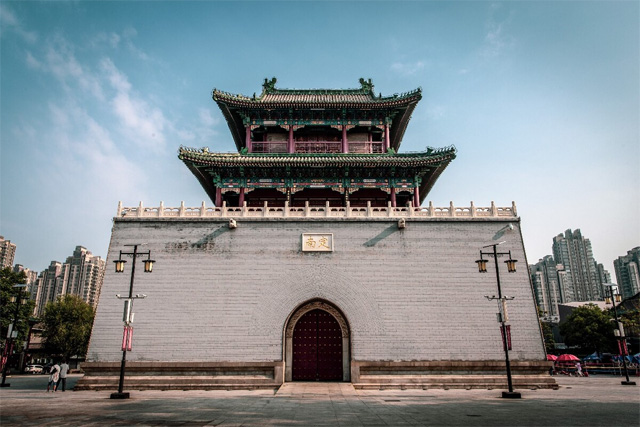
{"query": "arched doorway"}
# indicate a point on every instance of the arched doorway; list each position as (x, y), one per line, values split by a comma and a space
(317, 344)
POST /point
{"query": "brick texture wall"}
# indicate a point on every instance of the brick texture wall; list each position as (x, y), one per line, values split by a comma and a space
(218, 294)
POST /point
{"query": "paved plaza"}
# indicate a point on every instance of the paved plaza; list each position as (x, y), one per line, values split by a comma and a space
(593, 401)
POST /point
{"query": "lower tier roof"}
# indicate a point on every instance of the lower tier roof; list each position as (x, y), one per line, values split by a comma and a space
(209, 167)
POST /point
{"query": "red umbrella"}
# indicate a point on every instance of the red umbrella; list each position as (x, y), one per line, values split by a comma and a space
(551, 357)
(568, 358)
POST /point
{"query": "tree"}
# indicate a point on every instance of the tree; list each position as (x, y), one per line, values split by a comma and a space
(589, 328)
(8, 309)
(547, 333)
(629, 315)
(67, 326)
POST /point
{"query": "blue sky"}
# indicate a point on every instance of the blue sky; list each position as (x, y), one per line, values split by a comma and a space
(541, 99)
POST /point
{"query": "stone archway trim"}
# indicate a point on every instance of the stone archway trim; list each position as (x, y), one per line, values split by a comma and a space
(288, 340)
(317, 305)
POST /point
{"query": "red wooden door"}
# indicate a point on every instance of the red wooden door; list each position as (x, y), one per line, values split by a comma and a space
(317, 348)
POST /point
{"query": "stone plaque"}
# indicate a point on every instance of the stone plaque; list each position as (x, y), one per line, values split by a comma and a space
(317, 242)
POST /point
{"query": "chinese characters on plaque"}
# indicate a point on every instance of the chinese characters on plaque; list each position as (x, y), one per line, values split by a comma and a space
(317, 242)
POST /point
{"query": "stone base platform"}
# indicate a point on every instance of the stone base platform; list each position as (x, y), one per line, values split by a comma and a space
(450, 374)
(181, 375)
(270, 375)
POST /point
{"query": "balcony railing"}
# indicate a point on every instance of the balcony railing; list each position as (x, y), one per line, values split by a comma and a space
(307, 211)
(263, 147)
(365, 147)
(269, 147)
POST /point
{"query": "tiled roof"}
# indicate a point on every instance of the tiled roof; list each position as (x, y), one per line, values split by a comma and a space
(317, 98)
(271, 96)
(198, 157)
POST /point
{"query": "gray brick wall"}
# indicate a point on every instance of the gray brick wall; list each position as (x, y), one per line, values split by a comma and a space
(224, 295)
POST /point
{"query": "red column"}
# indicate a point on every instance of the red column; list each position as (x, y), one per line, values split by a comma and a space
(241, 199)
(393, 197)
(248, 139)
(218, 196)
(416, 197)
(345, 143)
(386, 145)
(292, 147)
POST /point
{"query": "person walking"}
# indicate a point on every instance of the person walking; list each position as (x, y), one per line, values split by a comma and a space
(64, 369)
(54, 377)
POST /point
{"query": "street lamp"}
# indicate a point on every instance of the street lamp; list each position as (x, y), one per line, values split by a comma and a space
(13, 330)
(620, 335)
(127, 317)
(502, 316)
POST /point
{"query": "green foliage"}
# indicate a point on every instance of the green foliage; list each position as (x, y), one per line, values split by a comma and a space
(8, 309)
(629, 315)
(547, 334)
(67, 326)
(589, 328)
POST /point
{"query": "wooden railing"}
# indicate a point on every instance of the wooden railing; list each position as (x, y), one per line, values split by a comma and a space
(307, 211)
(364, 147)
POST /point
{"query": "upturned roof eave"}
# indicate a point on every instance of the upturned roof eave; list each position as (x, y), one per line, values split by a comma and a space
(200, 158)
(240, 100)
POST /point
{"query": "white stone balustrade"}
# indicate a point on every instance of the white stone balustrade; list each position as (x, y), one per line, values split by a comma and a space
(307, 211)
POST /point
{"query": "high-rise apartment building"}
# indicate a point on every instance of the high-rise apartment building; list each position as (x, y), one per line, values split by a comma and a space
(547, 282)
(628, 272)
(81, 274)
(7, 252)
(32, 278)
(47, 283)
(603, 276)
(574, 252)
(31, 275)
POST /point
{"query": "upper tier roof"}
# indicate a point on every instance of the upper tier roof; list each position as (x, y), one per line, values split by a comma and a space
(338, 98)
(398, 107)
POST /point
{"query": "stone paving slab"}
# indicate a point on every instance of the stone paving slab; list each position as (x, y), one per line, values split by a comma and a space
(589, 401)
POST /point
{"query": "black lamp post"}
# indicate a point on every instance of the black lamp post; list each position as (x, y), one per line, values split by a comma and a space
(511, 267)
(8, 346)
(128, 306)
(621, 338)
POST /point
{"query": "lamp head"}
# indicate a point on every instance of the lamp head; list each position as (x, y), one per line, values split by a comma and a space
(119, 265)
(511, 265)
(482, 265)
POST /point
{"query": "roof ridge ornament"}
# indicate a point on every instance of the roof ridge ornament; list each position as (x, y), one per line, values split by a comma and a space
(269, 85)
(366, 85)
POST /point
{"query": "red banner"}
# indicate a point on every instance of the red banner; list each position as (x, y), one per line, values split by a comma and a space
(622, 345)
(127, 338)
(508, 328)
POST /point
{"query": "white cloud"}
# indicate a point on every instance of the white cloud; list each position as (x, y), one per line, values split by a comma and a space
(110, 39)
(436, 112)
(497, 39)
(32, 62)
(127, 35)
(117, 79)
(60, 61)
(115, 41)
(408, 68)
(206, 118)
(83, 148)
(144, 123)
(140, 121)
(9, 22)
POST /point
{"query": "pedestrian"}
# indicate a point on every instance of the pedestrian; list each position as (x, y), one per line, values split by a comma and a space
(53, 377)
(578, 369)
(64, 368)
